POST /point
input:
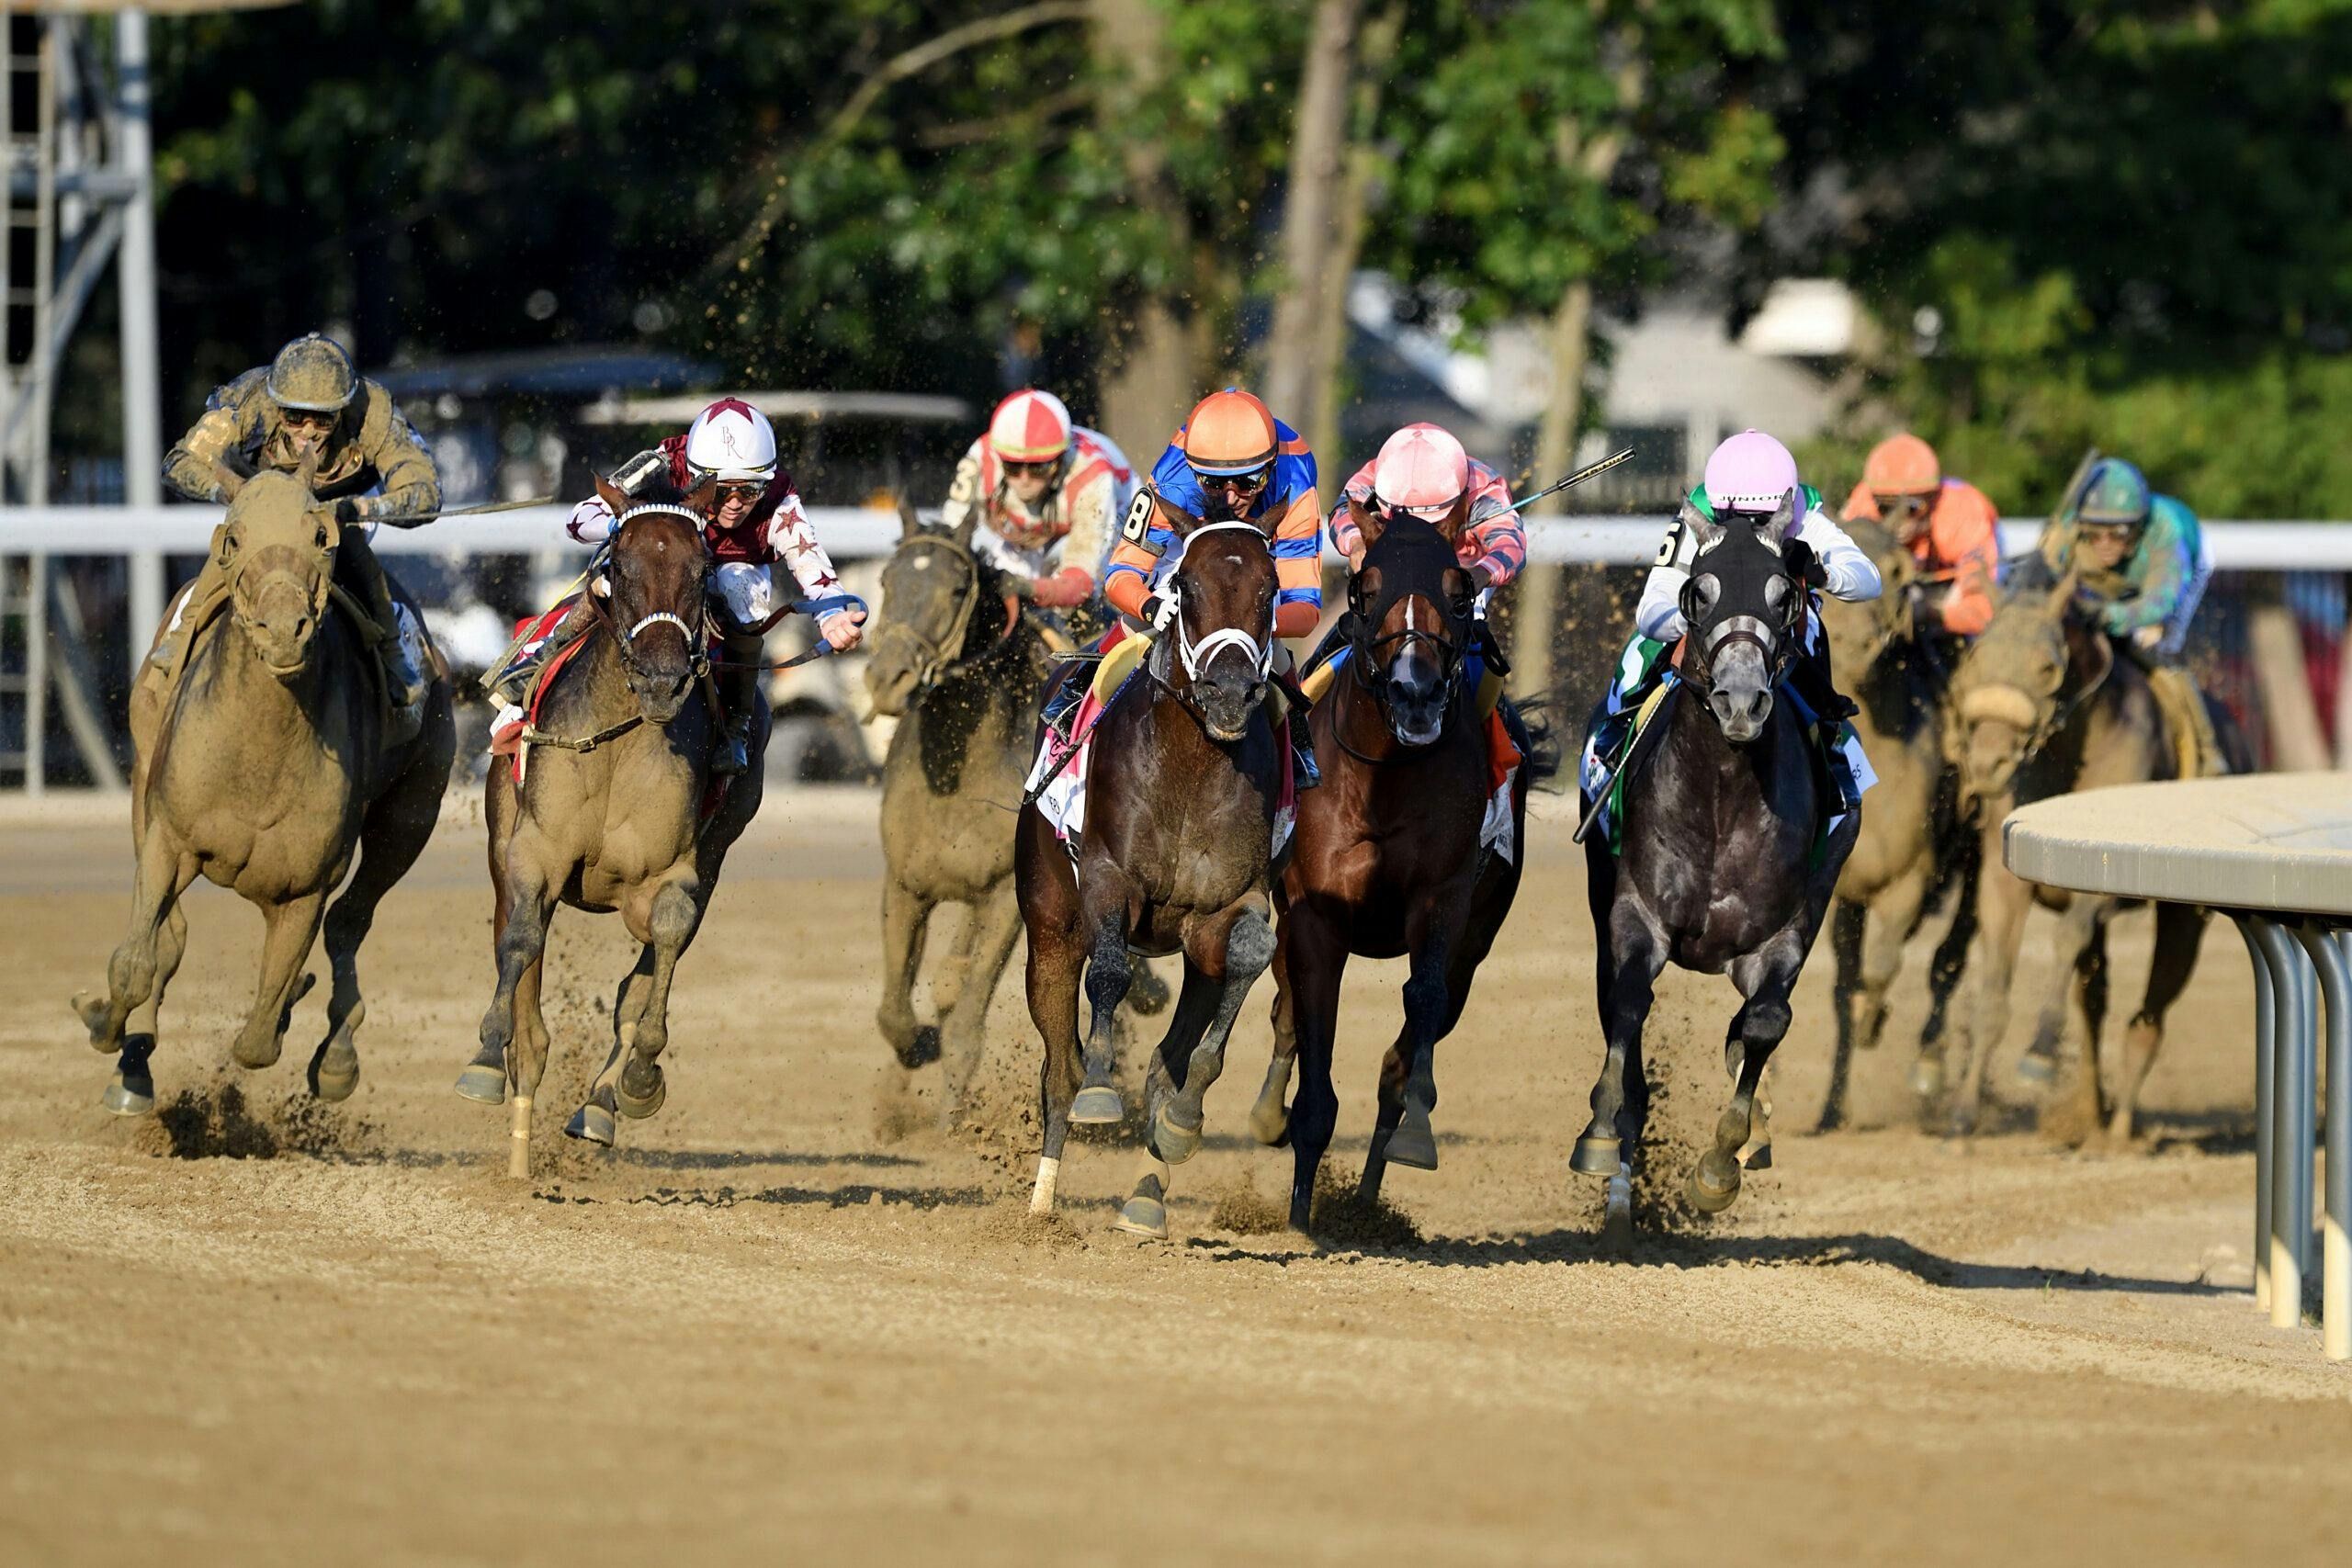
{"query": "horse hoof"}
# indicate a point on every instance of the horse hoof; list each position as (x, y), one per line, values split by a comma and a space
(1270, 1121)
(127, 1098)
(335, 1072)
(1760, 1158)
(1412, 1144)
(632, 1106)
(1594, 1155)
(1715, 1183)
(923, 1049)
(1617, 1221)
(1146, 1217)
(247, 1055)
(1174, 1143)
(2037, 1067)
(592, 1124)
(1927, 1079)
(482, 1085)
(1098, 1107)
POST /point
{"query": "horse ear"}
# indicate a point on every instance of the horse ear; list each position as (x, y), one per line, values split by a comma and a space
(1456, 518)
(229, 480)
(2090, 659)
(1370, 524)
(699, 499)
(964, 530)
(308, 472)
(909, 524)
(1784, 517)
(611, 494)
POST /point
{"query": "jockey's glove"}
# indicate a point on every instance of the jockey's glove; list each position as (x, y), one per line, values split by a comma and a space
(350, 509)
(1158, 611)
(1804, 565)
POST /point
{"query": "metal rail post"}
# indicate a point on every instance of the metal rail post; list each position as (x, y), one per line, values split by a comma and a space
(2265, 1048)
(2290, 1124)
(2336, 1251)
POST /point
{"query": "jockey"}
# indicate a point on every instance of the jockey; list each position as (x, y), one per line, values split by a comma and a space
(1423, 470)
(1747, 476)
(2146, 557)
(1231, 460)
(1948, 526)
(310, 404)
(755, 521)
(1048, 494)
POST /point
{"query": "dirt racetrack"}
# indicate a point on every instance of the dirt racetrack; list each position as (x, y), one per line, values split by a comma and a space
(760, 1331)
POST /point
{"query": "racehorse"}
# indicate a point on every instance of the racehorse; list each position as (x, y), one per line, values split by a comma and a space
(1728, 861)
(2042, 706)
(1180, 798)
(265, 766)
(1910, 849)
(617, 810)
(955, 655)
(1387, 858)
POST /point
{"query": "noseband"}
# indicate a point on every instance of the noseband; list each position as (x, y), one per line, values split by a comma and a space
(935, 661)
(1197, 656)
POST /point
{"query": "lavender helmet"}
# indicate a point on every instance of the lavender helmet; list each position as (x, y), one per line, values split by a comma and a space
(1749, 472)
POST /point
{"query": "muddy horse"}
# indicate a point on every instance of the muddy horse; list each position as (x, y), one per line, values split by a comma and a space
(1387, 860)
(2043, 706)
(617, 811)
(265, 766)
(1725, 863)
(1176, 855)
(1912, 854)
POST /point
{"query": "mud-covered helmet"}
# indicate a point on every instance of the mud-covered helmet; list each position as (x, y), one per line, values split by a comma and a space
(2114, 491)
(1421, 469)
(1749, 472)
(1030, 426)
(1902, 465)
(312, 374)
(730, 441)
(1230, 432)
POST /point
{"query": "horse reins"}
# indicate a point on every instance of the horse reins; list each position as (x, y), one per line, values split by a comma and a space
(1197, 656)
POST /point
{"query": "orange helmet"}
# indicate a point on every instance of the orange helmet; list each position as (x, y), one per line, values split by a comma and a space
(1902, 465)
(1230, 432)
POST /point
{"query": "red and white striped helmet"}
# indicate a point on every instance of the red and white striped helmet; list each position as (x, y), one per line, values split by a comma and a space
(1030, 426)
(731, 440)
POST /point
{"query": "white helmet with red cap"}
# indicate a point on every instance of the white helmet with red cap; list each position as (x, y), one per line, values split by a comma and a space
(1030, 426)
(731, 440)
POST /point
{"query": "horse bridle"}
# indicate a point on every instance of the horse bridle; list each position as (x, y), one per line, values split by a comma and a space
(936, 664)
(1372, 669)
(697, 655)
(1196, 656)
(1777, 645)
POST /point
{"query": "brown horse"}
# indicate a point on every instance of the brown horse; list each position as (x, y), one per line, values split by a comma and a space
(1180, 806)
(2042, 706)
(609, 816)
(1387, 860)
(1910, 850)
(265, 766)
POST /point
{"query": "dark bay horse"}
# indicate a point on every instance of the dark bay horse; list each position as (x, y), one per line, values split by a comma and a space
(1724, 863)
(1387, 860)
(963, 669)
(2043, 706)
(265, 767)
(609, 814)
(1911, 850)
(1180, 796)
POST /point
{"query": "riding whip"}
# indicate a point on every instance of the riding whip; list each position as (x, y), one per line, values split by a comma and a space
(407, 519)
(1588, 471)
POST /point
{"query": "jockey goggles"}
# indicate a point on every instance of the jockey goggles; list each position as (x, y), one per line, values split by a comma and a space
(2122, 533)
(1248, 483)
(738, 489)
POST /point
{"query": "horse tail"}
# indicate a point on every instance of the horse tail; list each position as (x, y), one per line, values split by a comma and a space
(1529, 720)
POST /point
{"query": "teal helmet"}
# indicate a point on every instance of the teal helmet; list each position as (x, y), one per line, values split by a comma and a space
(2114, 491)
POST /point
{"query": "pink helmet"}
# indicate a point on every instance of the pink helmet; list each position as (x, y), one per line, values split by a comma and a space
(1421, 469)
(1750, 472)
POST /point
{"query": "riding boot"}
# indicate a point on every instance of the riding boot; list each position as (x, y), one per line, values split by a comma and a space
(405, 685)
(739, 701)
(1301, 741)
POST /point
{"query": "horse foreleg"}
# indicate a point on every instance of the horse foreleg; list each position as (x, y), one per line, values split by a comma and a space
(288, 930)
(2180, 928)
(1633, 953)
(1108, 974)
(131, 1092)
(1848, 922)
(2002, 905)
(598, 1119)
(522, 922)
(906, 920)
(1314, 958)
(1950, 960)
(162, 875)
(1765, 978)
(394, 834)
(1055, 961)
(670, 919)
(1270, 1117)
(1427, 1015)
(989, 937)
(2077, 929)
(1230, 955)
